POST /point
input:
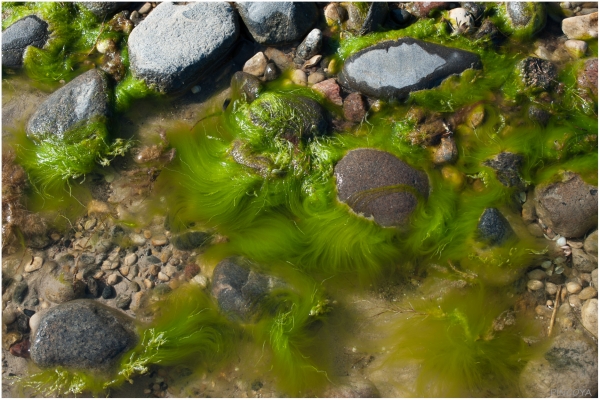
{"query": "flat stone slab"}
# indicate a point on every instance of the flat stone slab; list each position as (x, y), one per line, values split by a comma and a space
(394, 69)
(83, 99)
(28, 31)
(377, 184)
(277, 23)
(82, 334)
(177, 44)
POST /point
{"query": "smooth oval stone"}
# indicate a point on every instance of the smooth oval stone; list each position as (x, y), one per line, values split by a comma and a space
(377, 184)
(82, 334)
(28, 31)
(177, 44)
(393, 69)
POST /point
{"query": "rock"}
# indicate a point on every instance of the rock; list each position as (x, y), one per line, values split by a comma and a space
(282, 60)
(311, 45)
(245, 87)
(178, 44)
(507, 167)
(113, 279)
(570, 207)
(20, 292)
(461, 21)
(352, 388)
(130, 259)
(299, 77)
(362, 22)
(102, 9)
(425, 9)
(145, 8)
(591, 243)
(589, 316)
(107, 292)
(189, 241)
(377, 184)
(573, 287)
(278, 23)
(159, 240)
(35, 264)
(537, 75)
(163, 277)
(534, 285)
(28, 31)
(123, 301)
(583, 27)
(291, 117)
(313, 61)
(237, 288)
(551, 288)
(488, 30)
(315, 77)
(493, 228)
(374, 71)
(569, 365)
(271, 72)
(83, 99)
(335, 14)
(92, 286)
(576, 48)
(588, 293)
(330, 89)
(446, 152)
(537, 274)
(587, 79)
(82, 334)
(538, 115)
(476, 9)
(401, 16)
(523, 19)
(58, 286)
(355, 108)
(256, 65)
(582, 261)
(9, 316)
(595, 278)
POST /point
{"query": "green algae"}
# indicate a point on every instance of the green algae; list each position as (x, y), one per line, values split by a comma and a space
(537, 21)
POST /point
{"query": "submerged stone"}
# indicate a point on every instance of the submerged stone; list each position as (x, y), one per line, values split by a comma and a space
(82, 334)
(537, 74)
(493, 228)
(245, 87)
(523, 19)
(177, 44)
(83, 99)
(277, 23)
(28, 31)
(377, 184)
(394, 69)
(570, 207)
(507, 167)
(188, 241)
(103, 9)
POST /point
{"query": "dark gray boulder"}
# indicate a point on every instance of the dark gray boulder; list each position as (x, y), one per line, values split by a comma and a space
(377, 184)
(394, 69)
(83, 99)
(82, 334)
(103, 9)
(507, 167)
(237, 288)
(278, 23)
(28, 31)
(569, 207)
(493, 228)
(178, 44)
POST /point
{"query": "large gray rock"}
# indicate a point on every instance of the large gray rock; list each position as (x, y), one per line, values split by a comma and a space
(82, 334)
(237, 288)
(103, 9)
(569, 368)
(277, 23)
(393, 69)
(28, 31)
(81, 100)
(569, 207)
(377, 184)
(493, 228)
(177, 44)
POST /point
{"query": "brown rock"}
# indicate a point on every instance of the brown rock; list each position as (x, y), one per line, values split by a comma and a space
(588, 76)
(330, 89)
(582, 261)
(570, 207)
(282, 60)
(447, 152)
(591, 243)
(355, 108)
(423, 9)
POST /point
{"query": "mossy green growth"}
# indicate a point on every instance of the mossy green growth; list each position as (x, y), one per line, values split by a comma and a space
(527, 20)
(130, 89)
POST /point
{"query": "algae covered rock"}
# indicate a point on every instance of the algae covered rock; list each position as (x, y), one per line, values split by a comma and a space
(522, 19)
(507, 167)
(177, 44)
(103, 9)
(537, 75)
(84, 99)
(82, 334)
(374, 71)
(277, 23)
(364, 18)
(377, 184)
(28, 31)
(568, 207)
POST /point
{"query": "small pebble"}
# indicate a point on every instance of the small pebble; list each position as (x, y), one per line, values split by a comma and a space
(112, 279)
(123, 301)
(18, 278)
(561, 241)
(154, 270)
(573, 287)
(574, 301)
(9, 316)
(130, 259)
(34, 265)
(534, 285)
(312, 62)
(196, 89)
(90, 224)
(163, 277)
(537, 274)
(44, 305)
(588, 293)
(99, 274)
(34, 322)
(551, 288)
(559, 260)
(137, 239)
(134, 286)
(200, 280)
(124, 270)
(145, 9)
(547, 264)
(159, 241)
(107, 292)
(147, 234)
(549, 303)
(299, 77)
(148, 284)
